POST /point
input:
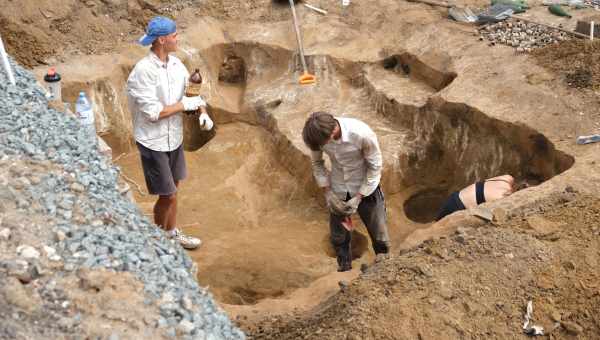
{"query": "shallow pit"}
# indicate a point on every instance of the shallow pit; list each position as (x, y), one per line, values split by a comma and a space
(423, 206)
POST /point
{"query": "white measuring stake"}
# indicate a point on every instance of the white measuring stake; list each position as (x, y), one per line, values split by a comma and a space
(7, 68)
(592, 30)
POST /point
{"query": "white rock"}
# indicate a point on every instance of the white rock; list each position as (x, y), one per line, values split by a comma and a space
(49, 251)
(55, 257)
(186, 327)
(5, 234)
(28, 252)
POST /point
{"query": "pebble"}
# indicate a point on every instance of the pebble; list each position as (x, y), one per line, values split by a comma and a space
(425, 269)
(5, 234)
(28, 252)
(572, 327)
(77, 187)
(66, 324)
(186, 327)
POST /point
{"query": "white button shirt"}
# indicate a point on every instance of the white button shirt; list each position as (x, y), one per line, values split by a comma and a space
(152, 85)
(356, 160)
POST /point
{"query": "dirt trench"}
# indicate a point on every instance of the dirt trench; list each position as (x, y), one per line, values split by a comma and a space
(250, 195)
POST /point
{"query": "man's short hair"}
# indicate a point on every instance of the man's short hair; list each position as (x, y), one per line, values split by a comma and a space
(317, 129)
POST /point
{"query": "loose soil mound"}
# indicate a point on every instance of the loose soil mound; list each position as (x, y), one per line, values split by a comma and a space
(575, 60)
(45, 32)
(474, 284)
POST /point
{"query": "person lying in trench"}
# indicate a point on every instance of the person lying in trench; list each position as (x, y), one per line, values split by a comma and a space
(353, 184)
(489, 190)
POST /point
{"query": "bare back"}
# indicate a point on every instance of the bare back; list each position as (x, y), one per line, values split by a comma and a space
(493, 189)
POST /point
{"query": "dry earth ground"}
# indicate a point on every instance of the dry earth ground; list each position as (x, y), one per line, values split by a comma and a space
(474, 284)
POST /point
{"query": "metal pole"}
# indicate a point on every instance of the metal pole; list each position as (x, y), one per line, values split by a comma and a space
(7, 68)
(298, 37)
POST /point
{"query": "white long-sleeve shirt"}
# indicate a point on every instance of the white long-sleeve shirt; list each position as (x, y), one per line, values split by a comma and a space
(152, 85)
(356, 160)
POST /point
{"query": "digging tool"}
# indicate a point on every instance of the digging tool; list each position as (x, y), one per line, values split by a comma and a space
(7, 68)
(458, 13)
(306, 78)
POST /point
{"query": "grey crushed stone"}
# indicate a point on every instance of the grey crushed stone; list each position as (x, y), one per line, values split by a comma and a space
(95, 226)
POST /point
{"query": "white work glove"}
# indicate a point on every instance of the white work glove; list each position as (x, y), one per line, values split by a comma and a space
(205, 122)
(192, 103)
(336, 206)
(352, 205)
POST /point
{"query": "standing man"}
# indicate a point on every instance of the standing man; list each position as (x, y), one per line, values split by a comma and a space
(353, 183)
(155, 93)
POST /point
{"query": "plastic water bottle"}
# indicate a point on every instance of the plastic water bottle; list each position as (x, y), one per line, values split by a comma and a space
(52, 79)
(84, 112)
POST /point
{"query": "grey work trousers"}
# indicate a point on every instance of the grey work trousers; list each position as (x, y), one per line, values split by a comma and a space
(373, 214)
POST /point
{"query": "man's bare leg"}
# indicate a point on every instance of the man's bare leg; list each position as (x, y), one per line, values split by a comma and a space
(172, 214)
(161, 210)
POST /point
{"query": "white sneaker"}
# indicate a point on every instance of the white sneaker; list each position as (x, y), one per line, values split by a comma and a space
(187, 242)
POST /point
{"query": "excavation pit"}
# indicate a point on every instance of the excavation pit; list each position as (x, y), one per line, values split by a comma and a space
(249, 194)
(423, 206)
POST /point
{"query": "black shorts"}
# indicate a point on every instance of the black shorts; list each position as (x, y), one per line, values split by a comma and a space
(162, 169)
(453, 204)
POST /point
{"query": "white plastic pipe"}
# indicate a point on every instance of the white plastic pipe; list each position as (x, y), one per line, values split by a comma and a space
(7, 68)
(592, 30)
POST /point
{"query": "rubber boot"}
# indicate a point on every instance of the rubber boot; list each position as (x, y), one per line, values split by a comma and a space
(344, 263)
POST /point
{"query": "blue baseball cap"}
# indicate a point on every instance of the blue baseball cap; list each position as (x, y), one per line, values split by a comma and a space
(157, 27)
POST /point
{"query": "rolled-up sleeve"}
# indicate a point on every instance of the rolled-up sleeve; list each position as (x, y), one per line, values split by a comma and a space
(374, 161)
(319, 170)
(141, 86)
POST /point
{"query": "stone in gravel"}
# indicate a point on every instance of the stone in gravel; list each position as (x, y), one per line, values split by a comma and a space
(65, 323)
(186, 302)
(114, 336)
(569, 265)
(28, 252)
(572, 327)
(171, 332)
(77, 187)
(186, 326)
(49, 251)
(461, 238)
(364, 267)
(500, 215)
(5, 234)
(343, 284)
(425, 269)
(483, 213)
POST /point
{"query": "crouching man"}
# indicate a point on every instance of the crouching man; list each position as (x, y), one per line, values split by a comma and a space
(353, 183)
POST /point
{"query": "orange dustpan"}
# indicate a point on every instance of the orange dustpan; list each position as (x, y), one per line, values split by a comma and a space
(306, 78)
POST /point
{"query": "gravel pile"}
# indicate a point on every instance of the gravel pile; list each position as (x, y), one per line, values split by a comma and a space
(523, 36)
(49, 169)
